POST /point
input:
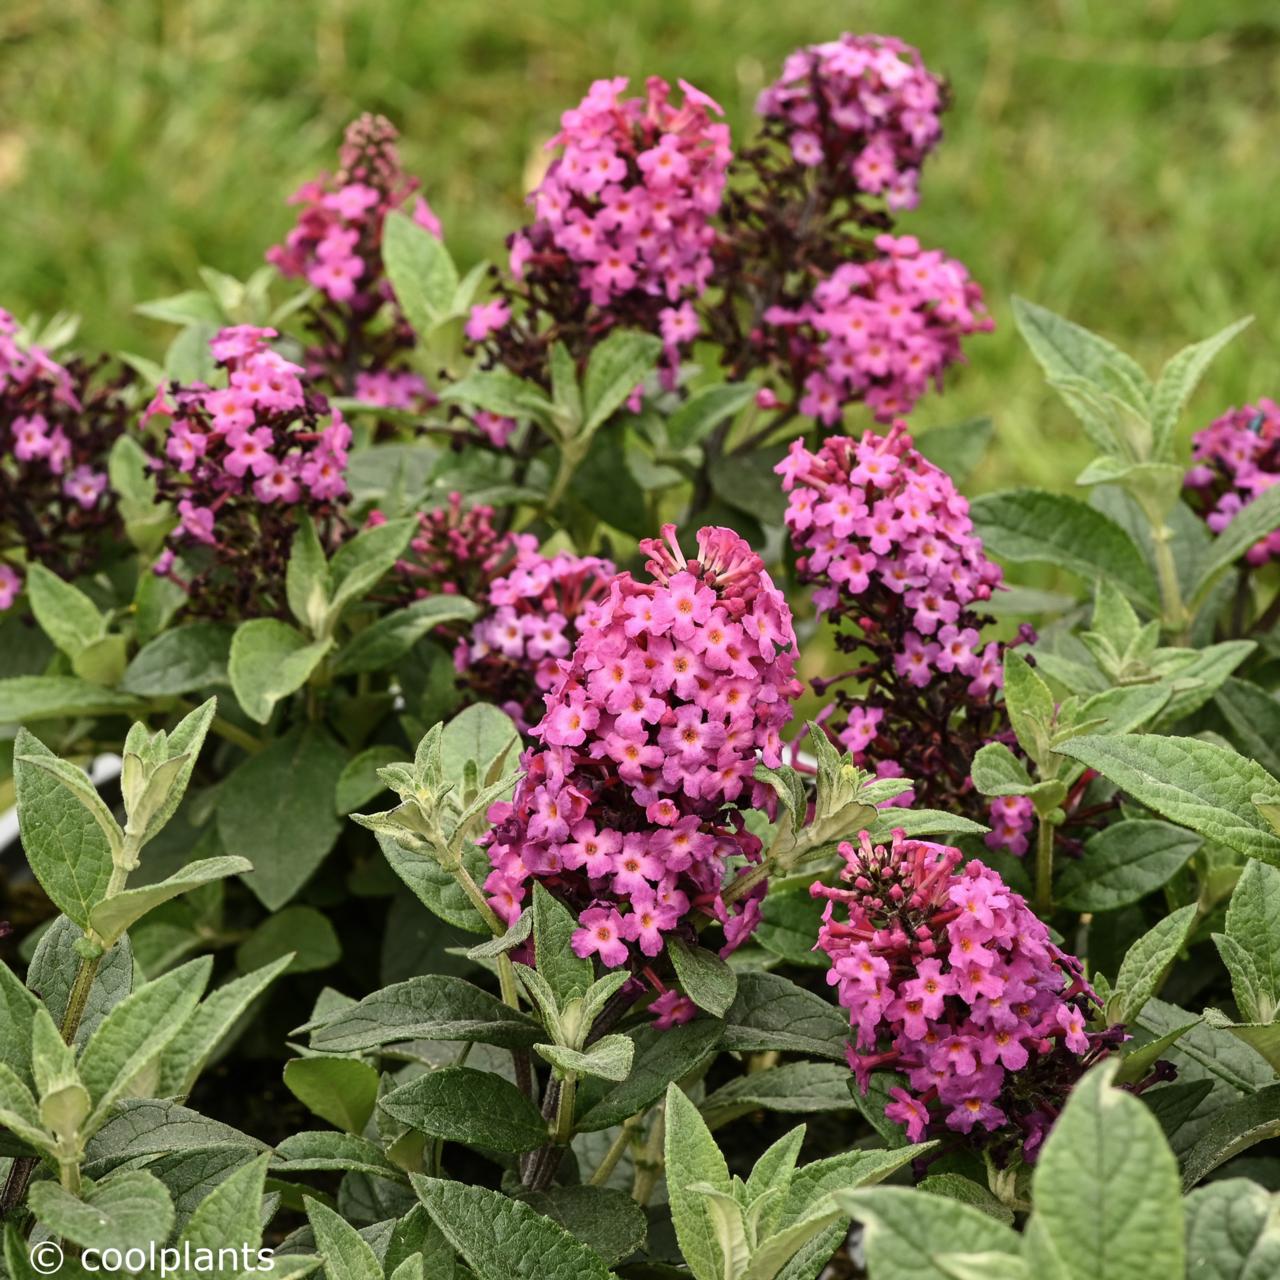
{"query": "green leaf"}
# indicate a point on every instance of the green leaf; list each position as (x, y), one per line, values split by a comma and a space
(135, 1031)
(1106, 1187)
(1253, 716)
(693, 1157)
(609, 1058)
(1062, 347)
(1246, 985)
(802, 1088)
(27, 699)
(660, 1057)
(707, 980)
(502, 392)
(483, 735)
(17, 1010)
(323, 1150)
(1196, 784)
(230, 1216)
(747, 483)
(1180, 377)
(339, 1090)
(1253, 522)
(359, 782)
(1233, 1130)
(616, 367)
(1253, 923)
(1124, 862)
(281, 800)
(307, 578)
(1029, 526)
(303, 934)
(436, 888)
(51, 975)
(705, 410)
(461, 1104)
(384, 643)
(208, 1025)
(997, 771)
(178, 661)
(18, 1112)
(607, 1221)
(956, 1186)
(270, 660)
(420, 271)
(504, 1239)
(433, 1007)
(1146, 962)
(957, 449)
(565, 973)
(1262, 1038)
(789, 924)
(1135, 1064)
(110, 918)
(773, 1013)
(908, 1231)
(347, 1255)
(64, 834)
(360, 562)
(65, 614)
(127, 1210)
(1030, 706)
(1233, 1231)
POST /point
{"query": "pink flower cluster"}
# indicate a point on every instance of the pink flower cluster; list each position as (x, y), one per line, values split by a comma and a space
(1236, 458)
(632, 807)
(880, 331)
(336, 243)
(888, 544)
(863, 107)
(952, 980)
(20, 366)
(627, 206)
(534, 614)
(873, 514)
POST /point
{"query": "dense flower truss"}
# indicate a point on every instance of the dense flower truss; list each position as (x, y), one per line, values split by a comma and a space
(535, 612)
(240, 462)
(622, 230)
(879, 331)
(57, 425)
(336, 246)
(1236, 458)
(950, 979)
(864, 108)
(886, 541)
(632, 807)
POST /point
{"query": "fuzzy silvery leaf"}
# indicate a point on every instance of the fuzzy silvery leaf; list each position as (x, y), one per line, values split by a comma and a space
(1252, 522)
(1196, 784)
(502, 392)
(269, 661)
(908, 1231)
(324, 1150)
(359, 562)
(347, 1255)
(420, 270)
(386, 641)
(660, 1057)
(111, 917)
(803, 1088)
(282, 799)
(1180, 377)
(1253, 924)
(505, 1239)
(609, 1058)
(126, 1210)
(616, 367)
(607, 1221)
(1234, 1129)
(461, 1104)
(17, 1011)
(229, 1216)
(208, 1025)
(706, 979)
(705, 409)
(433, 1007)
(340, 1090)
(1233, 1231)
(1253, 719)
(1124, 862)
(307, 578)
(567, 975)
(1146, 962)
(194, 656)
(770, 1012)
(692, 1157)
(65, 614)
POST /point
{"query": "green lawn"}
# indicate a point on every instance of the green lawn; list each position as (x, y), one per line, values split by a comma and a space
(1116, 161)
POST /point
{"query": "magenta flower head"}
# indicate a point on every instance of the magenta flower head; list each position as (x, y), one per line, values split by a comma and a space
(57, 425)
(633, 805)
(951, 980)
(533, 613)
(886, 542)
(241, 462)
(1236, 458)
(863, 109)
(879, 332)
(623, 219)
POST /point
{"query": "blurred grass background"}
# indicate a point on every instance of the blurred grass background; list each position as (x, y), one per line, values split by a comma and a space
(1114, 161)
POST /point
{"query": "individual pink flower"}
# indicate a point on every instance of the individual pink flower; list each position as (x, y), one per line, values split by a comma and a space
(600, 934)
(10, 586)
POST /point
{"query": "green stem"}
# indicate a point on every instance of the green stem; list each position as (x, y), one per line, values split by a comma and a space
(564, 1110)
(616, 1149)
(1175, 611)
(1044, 868)
(569, 460)
(649, 1164)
